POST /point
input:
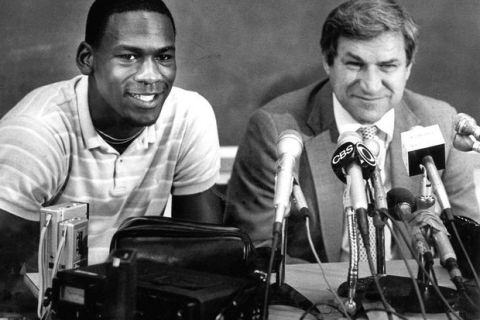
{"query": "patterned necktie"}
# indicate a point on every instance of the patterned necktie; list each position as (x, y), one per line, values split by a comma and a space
(368, 133)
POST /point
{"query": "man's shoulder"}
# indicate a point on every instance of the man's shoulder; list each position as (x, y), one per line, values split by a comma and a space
(295, 99)
(183, 101)
(293, 109)
(423, 105)
(50, 109)
(429, 110)
(184, 96)
(48, 98)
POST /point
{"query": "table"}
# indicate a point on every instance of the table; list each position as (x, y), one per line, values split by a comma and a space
(308, 280)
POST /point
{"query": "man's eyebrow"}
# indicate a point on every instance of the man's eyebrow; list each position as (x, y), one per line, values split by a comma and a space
(356, 57)
(168, 48)
(137, 49)
(393, 60)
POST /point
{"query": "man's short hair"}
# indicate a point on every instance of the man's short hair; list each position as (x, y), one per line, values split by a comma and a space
(101, 10)
(365, 20)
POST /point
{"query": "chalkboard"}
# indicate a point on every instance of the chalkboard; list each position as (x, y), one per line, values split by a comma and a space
(240, 54)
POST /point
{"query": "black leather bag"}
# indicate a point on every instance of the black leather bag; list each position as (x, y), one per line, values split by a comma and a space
(198, 246)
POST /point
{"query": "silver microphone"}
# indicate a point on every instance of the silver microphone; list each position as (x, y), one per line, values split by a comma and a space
(466, 143)
(466, 125)
(289, 148)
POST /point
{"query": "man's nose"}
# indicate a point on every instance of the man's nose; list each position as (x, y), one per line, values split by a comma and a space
(371, 80)
(148, 72)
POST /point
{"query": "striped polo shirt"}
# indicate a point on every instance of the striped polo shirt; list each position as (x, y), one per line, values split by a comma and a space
(49, 135)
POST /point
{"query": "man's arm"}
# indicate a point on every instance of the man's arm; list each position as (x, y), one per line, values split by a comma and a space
(205, 206)
(33, 167)
(458, 176)
(458, 179)
(252, 184)
(194, 196)
(18, 241)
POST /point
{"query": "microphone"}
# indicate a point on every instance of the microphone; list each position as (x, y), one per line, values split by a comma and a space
(299, 200)
(465, 143)
(376, 178)
(402, 206)
(353, 159)
(448, 258)
(401, 203)
(381, 207)
(465, 125)
(424, 147)
(289, 148)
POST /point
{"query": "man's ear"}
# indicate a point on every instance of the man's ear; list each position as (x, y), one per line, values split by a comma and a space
(325, 65)
(85, 58)
(409, 69)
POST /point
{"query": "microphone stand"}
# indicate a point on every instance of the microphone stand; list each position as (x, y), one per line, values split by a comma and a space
(399, 290)
(282, 293)
(378, 218)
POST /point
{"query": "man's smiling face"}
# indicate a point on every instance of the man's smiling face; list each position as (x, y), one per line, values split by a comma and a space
(133, 67)
(369, 76)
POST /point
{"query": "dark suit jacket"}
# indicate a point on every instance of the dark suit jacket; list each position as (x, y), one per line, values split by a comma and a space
(310, 112)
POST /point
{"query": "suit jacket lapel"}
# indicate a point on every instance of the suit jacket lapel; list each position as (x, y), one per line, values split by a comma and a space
(328, 188)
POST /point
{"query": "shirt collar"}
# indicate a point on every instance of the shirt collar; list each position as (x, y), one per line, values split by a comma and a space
(345, 121)
(90, 136)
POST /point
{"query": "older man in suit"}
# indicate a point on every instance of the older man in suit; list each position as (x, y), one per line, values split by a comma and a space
(368, 48)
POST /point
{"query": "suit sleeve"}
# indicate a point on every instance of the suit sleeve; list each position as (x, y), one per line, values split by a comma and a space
(251, 187)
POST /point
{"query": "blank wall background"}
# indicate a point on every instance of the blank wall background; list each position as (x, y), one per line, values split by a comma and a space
(240, 54)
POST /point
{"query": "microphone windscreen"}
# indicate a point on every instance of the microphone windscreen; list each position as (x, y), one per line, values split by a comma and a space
(463, 123)
(399, 196)
(463, 142)
(290, 141)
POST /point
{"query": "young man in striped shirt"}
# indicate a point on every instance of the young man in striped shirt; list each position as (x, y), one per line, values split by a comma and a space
(120, 137)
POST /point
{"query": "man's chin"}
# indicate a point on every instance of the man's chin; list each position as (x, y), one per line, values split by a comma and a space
(143, 119)
(367, 117)
(140, 123)
(370, 113)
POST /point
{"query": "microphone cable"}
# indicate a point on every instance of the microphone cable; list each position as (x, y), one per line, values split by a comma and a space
(450, 219)
(304, 212)
(420, 265)
(319, 263)
(447, 212)
(42, 267)
(407, 265)
(371, 266)
(56, 264)
(61, 246)
(386, 305)
(388, 311)
(276, 233)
